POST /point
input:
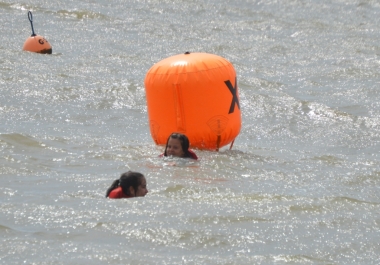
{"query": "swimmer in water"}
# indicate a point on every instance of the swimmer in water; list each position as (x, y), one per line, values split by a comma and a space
(178, 146)
(130, 184)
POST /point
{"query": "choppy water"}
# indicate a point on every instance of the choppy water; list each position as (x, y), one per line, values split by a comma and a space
(300, 186)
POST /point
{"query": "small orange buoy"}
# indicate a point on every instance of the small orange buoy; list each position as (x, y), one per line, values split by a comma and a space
(195, 94)
(36, 43)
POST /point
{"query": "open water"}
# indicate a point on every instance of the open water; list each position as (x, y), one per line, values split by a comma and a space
(300, 185)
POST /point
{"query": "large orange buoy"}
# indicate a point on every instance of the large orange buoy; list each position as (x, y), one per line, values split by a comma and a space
(195, 94)
(36, 43)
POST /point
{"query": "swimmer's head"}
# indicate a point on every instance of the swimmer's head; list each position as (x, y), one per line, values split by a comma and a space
(133, 184)
(177, 145)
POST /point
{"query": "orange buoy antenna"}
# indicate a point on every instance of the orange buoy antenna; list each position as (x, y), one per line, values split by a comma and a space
(30, 17)
(36, 43)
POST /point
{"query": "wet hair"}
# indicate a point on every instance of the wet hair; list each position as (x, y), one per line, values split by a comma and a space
(126, 180)
(185, 144)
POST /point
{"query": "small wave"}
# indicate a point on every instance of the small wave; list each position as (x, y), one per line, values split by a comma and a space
(4, 5)
(81, 14)
(20, 140)
(332, 160)
(4, 228)
(352, 200)
(78, 14)
(301, 259)
(227, 219)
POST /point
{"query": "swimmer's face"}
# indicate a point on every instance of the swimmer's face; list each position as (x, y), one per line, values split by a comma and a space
(142, 190)
(174, 148)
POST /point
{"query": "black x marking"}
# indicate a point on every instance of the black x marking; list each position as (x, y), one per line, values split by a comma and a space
(233, 91)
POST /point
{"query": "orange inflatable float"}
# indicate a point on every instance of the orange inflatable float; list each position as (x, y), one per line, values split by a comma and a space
(195, 94)
(36, 43)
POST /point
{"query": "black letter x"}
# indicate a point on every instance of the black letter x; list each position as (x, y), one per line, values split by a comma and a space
(234, 95)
